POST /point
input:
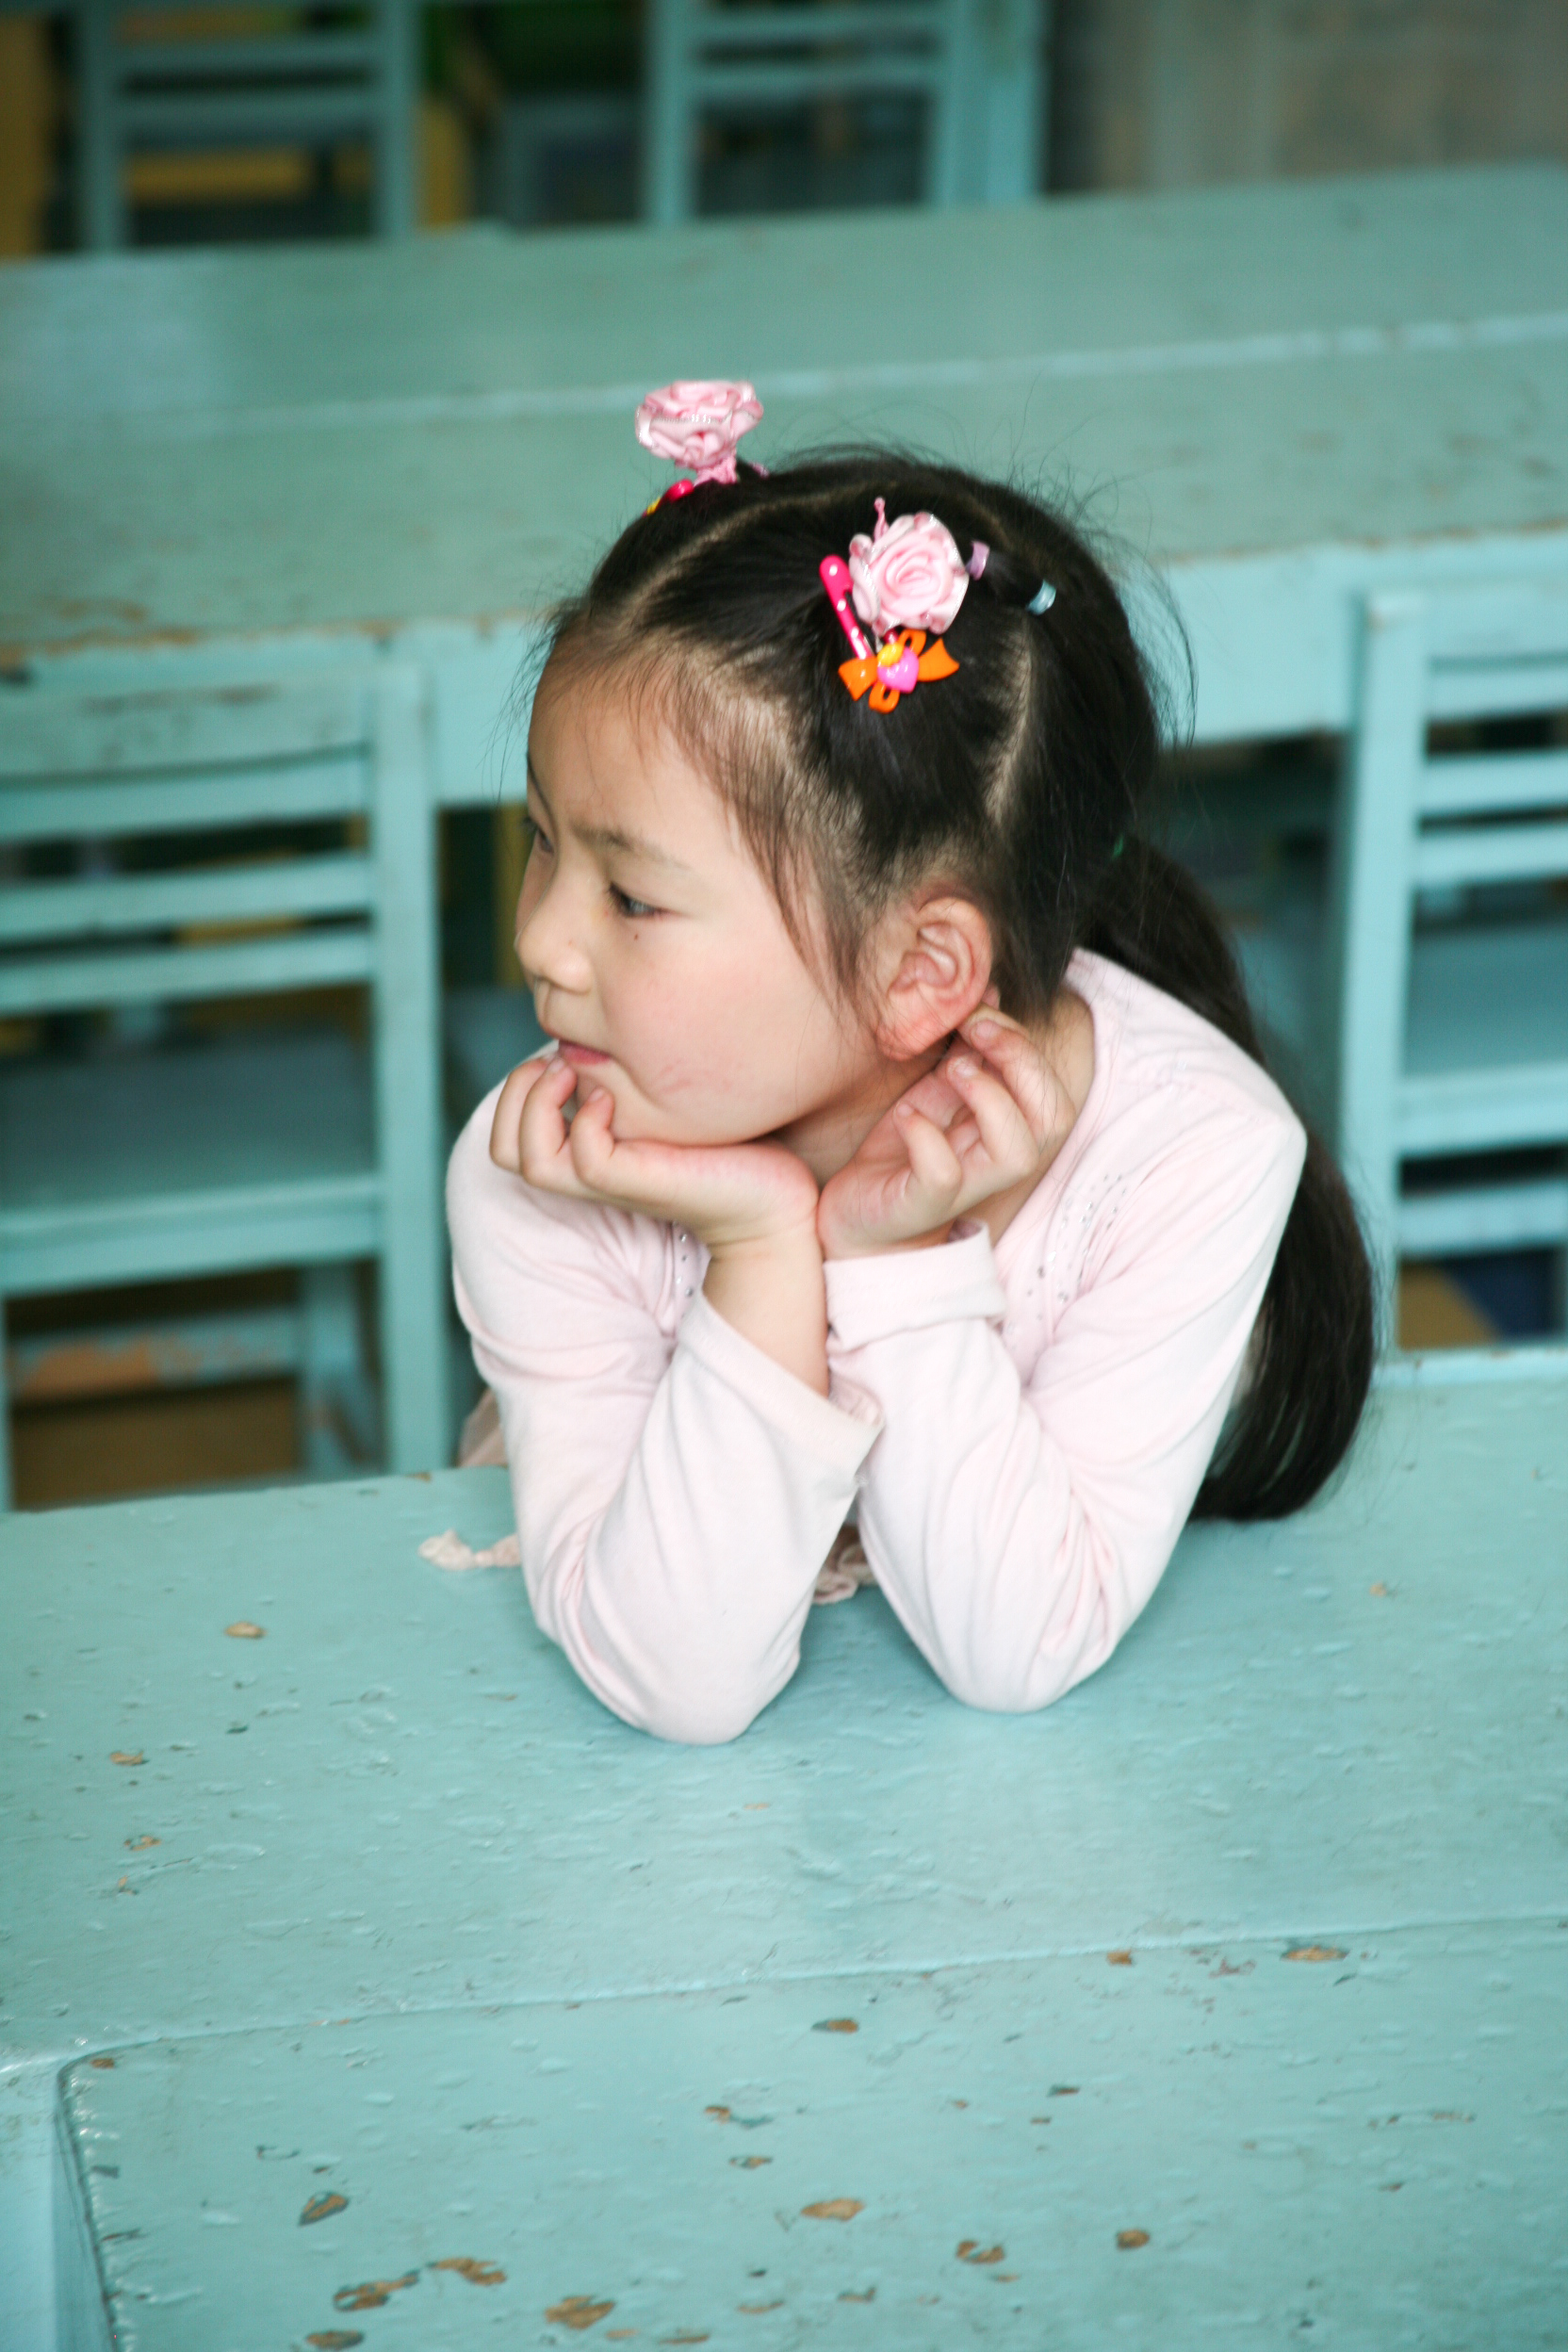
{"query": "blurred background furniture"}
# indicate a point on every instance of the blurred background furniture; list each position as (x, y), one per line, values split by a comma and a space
(236, 119)
(530, 112)
(160, 83)
(1272, 393)
(171, 852)
(967, 74)
(1454, 973)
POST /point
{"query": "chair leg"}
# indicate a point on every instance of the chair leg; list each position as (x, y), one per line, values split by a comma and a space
(669, 133)
(5, 1494)
(337, 1421)
(1378, 907)
(416, 1384)
(100, 193)
(398, 137)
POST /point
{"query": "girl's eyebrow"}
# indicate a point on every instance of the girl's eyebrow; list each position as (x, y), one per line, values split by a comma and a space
(613, 837)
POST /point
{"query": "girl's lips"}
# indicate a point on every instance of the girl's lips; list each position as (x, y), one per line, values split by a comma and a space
(581, 1057)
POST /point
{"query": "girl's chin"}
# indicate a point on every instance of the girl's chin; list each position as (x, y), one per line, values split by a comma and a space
(636, 1121)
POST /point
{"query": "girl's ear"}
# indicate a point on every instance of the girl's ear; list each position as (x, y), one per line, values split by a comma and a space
(939, 949)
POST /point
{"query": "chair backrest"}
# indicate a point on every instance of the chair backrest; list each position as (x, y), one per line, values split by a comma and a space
(228, 842)
(233, 841)
(307, 83)
(707, 58)
(1433, 809)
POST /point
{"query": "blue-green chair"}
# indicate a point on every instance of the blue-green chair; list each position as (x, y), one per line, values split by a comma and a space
(299, 77)
(978, 66)
(1453, 1028)
(163, 849)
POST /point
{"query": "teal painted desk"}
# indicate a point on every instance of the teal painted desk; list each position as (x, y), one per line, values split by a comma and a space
(1285, 395)
(1253, 1948)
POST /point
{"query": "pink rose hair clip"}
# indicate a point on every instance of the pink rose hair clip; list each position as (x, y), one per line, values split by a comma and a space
(906, 583)
(696, 423)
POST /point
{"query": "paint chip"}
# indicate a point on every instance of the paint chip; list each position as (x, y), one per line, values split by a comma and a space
(372, 2293)
(686, 2335)
(1119, 1959)
(834, 2209)
(971, 2251)
(319, 2207)
(750, 2164)
(1379, 1592)
(752, 2310)
(480, 2274)
(121, 1756)
(836, 2025)
(1315, 1952)
(1130, 2239)
(335, 2339)
(1064, 2090)
(578, 2310)
(242, 1630)
(100, 2062)
(849, 2296)
(140, 1845)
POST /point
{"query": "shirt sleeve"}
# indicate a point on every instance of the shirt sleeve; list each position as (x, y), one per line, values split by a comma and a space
(1019, 1526)
(675, 1497)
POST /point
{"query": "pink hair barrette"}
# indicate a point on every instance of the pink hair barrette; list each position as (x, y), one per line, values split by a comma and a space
(697, 422)
(907, 583)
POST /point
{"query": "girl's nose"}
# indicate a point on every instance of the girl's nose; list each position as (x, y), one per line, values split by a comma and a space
(546, 948)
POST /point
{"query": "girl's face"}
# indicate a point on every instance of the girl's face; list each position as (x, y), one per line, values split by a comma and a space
(651, 942)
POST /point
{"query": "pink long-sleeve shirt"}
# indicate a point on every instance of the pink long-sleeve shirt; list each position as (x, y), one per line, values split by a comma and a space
(1023, 1428)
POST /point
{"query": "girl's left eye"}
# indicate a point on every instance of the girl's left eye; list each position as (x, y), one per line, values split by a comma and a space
(631, 907)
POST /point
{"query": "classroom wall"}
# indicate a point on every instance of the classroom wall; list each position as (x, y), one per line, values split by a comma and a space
(1171, 94)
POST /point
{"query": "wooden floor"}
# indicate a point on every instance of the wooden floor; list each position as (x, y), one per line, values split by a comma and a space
(1223, 2002)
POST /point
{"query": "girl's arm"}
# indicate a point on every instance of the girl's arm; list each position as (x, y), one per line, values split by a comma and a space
(1016, 1524)
(677, 1487)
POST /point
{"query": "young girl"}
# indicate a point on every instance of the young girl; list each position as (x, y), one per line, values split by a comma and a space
(907, 1150)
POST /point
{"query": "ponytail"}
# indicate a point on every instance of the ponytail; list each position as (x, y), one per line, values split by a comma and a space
(1312, 1363)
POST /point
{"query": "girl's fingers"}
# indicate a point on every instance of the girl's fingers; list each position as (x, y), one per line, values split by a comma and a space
(1028, 1077)
(1005, 1132)
(591, 1144)
(933, 1163)
(506, 1125)
(543, 1139)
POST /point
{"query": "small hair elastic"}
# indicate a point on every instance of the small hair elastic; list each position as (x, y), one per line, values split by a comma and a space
(1042, 600)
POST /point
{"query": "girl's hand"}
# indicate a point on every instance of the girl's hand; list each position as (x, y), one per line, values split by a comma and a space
(725, 1195)
(991, 1115)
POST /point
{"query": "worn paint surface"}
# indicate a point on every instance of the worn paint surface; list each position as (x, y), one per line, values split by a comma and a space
(438, 431)
(1365, 2150)
(1341, 1735)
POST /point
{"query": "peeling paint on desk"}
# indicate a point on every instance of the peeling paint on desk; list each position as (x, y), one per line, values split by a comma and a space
(609, 1903)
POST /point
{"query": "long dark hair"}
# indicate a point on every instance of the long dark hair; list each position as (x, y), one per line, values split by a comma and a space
(1017, 783)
